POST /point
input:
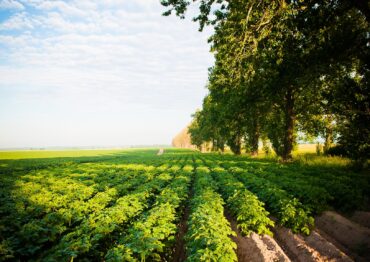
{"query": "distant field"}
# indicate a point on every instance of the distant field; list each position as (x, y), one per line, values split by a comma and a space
(299, 150)
(23, 154)
(135, 205)
(306, 148)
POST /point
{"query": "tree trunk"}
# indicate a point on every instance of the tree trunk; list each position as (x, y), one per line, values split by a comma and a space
(214, 145)
(289, 125)
(255, 138)
(236, 149)
(235, 145)
(222, 147)
(265, 146)
(328, 136)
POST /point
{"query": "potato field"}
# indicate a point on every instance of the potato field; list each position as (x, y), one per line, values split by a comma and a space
(182, 205)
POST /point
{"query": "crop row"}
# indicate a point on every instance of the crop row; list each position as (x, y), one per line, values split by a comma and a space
(45, 191)
(208, 236)
(153, 234)
(289, 210)
(128, 208)
(317, 190)
(34, 234)
(87, 238)
(248, 210)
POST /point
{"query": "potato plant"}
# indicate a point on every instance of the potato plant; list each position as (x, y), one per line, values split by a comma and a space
(208, 233)
(130, 206)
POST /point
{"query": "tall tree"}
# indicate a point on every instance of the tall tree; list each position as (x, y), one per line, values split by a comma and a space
(271, 58)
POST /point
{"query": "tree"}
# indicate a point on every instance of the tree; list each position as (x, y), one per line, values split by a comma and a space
(272, 61)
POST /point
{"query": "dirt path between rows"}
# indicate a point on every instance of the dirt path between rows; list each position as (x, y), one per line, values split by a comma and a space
(256, 248)
(179, 254)
(362, 218)
(160, 152)
(352, 236)
(308, 248)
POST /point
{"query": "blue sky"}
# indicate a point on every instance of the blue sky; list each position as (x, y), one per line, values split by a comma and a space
(97, 73)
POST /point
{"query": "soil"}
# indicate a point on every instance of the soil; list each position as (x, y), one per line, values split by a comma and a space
(179, 253)
(362, 218)
(255, 248)
(294, 246)
(327, 250)
(308, 248)
(352, 236)
(335, 238)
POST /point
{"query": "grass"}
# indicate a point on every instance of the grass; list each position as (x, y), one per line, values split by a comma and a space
(311, 159)
(305, 154)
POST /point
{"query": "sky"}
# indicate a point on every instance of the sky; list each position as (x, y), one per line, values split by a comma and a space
(97, 73)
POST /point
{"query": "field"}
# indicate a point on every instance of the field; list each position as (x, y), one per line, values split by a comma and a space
(135, 205)
(27, 154)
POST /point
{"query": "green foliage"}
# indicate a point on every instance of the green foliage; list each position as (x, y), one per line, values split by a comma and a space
(283, 67)
(72, 197)
(119, 253)
(311, 193)
(127, 207)
(208, 230)
(289, 211)
(249, 212)
(146, 238)
(150, 237)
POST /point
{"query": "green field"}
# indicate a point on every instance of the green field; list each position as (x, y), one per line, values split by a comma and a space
(128, 205)
(57, 153)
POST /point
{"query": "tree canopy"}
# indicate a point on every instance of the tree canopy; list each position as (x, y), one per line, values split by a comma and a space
(283, 68)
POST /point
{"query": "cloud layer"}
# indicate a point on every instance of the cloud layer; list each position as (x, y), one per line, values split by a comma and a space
(97, 72)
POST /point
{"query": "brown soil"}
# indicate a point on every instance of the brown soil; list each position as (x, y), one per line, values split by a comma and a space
(273, 246)
(256, 248)
(362, 218)
(351, 235)
(308, 248)
(294, 246)
(335, 239)
(327, 250)
(179, 253)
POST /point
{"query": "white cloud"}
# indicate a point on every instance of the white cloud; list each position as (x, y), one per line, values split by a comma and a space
(112, 58)
(11, 4)
(19, 21)
(61, 6)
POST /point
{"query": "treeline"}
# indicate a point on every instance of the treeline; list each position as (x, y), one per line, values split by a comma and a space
(182, 140)
(282, 69)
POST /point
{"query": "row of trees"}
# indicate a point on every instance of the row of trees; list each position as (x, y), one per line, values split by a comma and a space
(283, 68)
